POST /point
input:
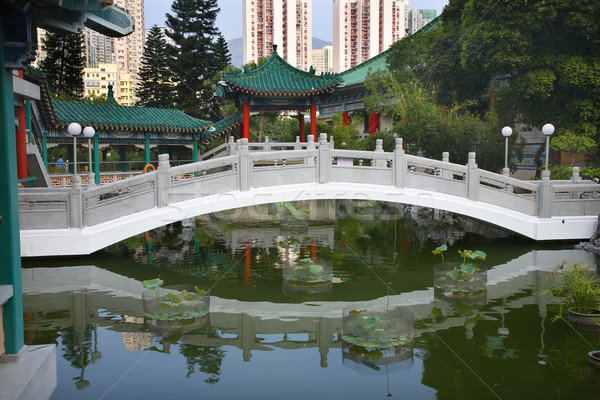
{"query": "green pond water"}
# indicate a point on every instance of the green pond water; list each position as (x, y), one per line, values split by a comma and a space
(288, 283)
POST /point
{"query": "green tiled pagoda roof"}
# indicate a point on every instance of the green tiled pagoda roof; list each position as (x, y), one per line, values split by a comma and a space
(278, 78)
(224, 125)
(356, 75)
(115, 117)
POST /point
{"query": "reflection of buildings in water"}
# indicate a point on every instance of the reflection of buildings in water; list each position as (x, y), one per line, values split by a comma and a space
(216, 234)
(49, 291)
(136, 340)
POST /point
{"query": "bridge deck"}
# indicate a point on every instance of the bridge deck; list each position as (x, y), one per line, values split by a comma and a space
(82, 220)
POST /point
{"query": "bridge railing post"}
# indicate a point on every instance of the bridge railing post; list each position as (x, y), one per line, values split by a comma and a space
(324, 159)
(472, 178)
(163, 182)
(267, 144)
(244, 166)
(76, 206)
(575, 179)
(546, 196)
(231, 146)
(399, 165)
(297, 144)
(446, 158)
(377, 162)
(311, 145)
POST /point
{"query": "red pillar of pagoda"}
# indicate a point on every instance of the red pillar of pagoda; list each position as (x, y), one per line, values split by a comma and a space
(246, 108)
(313, 120)
(345, 118)
(21, 140)
(373, 123)
(301, 128)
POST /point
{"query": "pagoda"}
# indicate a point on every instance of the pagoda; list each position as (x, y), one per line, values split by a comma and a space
(278, 86)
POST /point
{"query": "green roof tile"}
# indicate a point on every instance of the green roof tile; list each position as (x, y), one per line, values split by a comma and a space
(277, 77)
(112, 116)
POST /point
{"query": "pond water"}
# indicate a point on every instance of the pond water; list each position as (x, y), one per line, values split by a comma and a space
(289, 285)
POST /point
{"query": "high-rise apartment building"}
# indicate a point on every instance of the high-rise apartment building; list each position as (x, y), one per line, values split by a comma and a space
(419, 18)
(323, 59)
(98, 48)
(97, 79)
(364, 28)
(285, 23)
(130, 49)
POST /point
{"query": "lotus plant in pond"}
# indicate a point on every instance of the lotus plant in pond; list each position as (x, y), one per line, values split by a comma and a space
(460, 279)
(183, 304)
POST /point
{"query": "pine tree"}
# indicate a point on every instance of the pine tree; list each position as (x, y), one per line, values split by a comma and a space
(63, 64)
(157, 88)
(199, 57)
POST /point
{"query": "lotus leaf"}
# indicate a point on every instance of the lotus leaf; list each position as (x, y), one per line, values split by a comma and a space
(173, 298)
(187, 295)
(440, 249)
(152, 284)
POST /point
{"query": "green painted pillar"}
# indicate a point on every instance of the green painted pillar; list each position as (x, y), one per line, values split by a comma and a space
(45, 149)
(28, 121)
(71, 158)
(146, 149)
(123, 157)
(10, 248)
(97, 158)
(195, 150)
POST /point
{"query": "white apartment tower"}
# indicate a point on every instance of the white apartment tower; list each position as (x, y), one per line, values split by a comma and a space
(285, 23)
(364, 28)
(130, 49)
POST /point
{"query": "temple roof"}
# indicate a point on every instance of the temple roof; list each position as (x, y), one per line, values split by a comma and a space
(278, 78)
(108, 116)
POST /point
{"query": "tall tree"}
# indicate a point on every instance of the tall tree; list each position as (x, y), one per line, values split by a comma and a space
(157, 88)
(200, 55)
(63, 64)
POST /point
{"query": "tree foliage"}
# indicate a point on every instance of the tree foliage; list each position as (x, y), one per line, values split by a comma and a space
(523, 61)
(63, 64)
(157, 88)
(199, 55)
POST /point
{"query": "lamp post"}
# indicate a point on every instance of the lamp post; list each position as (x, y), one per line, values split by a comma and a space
(547, 130)
(89, 132)
(74, 129)
(506, 132)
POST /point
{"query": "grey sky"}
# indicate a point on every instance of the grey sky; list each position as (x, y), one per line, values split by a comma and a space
(229, 19)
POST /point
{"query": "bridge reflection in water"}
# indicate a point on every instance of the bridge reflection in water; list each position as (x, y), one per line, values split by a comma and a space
(72, 296)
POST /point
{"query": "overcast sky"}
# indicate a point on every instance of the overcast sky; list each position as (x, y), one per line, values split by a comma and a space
(229, 19)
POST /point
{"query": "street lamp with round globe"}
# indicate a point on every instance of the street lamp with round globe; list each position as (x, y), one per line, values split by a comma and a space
(89, 132)
(74, 129)
(547, 130)
(506, 132)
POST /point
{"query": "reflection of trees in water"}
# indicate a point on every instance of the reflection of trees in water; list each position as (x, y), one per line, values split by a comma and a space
(208, 359)
(77, 346)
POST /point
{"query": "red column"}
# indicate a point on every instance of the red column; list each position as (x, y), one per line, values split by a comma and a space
(313, 120)
(345, 118)
(246, 121)
(21, 141)
(301, 129)
(247, 263)
(373, 123)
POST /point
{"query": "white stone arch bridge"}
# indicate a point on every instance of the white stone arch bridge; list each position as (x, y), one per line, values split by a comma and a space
(76, 220)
